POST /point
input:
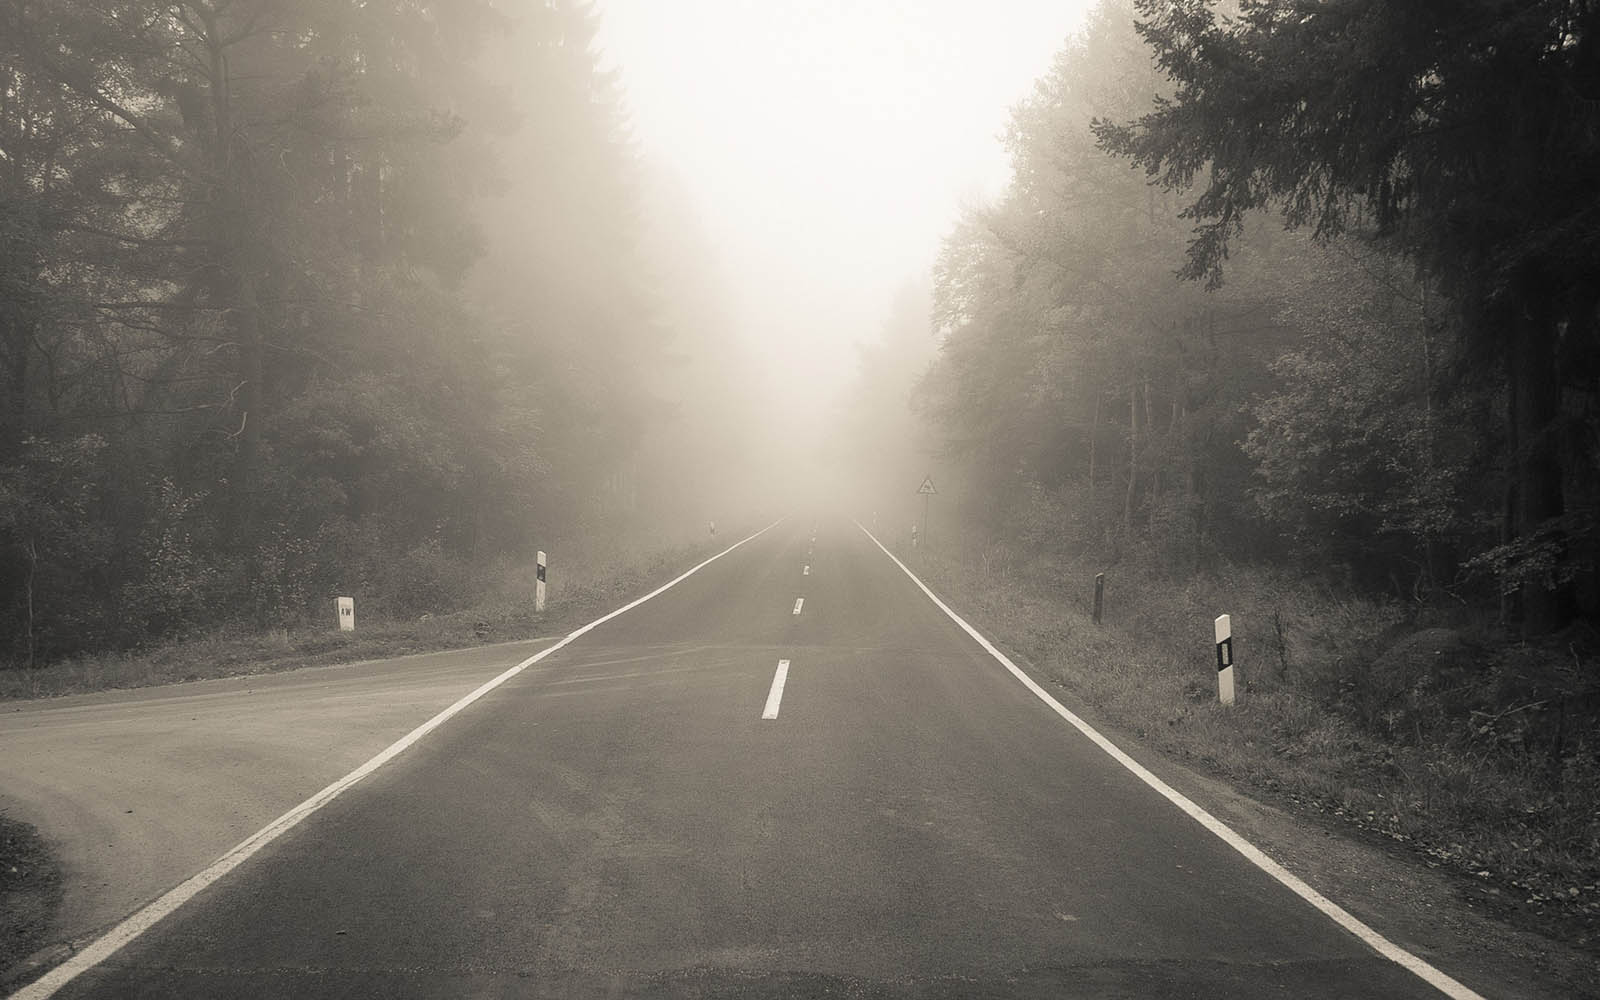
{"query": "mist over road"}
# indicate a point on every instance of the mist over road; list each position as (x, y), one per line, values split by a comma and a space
(651, 814)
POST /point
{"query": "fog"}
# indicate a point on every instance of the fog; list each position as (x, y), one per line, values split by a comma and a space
(488, 317)
(826, 149)
(388, 293)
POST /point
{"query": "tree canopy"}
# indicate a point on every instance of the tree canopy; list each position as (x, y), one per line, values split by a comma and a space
(309, 296)
(1463, 135)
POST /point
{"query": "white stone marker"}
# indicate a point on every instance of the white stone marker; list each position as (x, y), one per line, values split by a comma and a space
(345, 609)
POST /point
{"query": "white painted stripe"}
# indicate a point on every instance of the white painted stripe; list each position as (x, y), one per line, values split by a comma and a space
(120, 935)
(1338, 914)
(799, 602)
(776, 694)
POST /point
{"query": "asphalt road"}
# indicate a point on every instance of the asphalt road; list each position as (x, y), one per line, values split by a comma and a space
(620, 821)
(138, 790)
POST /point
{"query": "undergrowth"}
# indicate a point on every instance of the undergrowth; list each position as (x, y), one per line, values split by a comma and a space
(1416, 724)
(442, 608)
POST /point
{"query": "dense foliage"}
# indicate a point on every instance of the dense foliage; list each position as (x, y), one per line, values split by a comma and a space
(304, 297)
(1394, 391)
(1462, 135)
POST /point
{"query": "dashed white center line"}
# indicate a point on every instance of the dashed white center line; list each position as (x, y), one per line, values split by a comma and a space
(776, 694)
(798, 603)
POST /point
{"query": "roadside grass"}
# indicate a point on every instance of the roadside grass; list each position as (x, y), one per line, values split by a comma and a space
(30, 891)
(1347, 710)
(583, 583)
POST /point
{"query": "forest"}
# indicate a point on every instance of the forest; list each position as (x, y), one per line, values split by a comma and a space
(1290, 309)
(1310, 285)
(310, 297)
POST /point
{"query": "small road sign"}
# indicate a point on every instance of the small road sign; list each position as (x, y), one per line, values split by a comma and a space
(926, 488)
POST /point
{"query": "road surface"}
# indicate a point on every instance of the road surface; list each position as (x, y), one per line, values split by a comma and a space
(138, 790)
(622, 821)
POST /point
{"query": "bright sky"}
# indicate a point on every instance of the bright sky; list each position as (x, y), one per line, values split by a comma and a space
(828, 146)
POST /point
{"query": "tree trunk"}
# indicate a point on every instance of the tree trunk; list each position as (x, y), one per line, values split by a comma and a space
(17, 345)
(230, 235)
(1133, 457)
(32, 551)
(247, 327)
(1094, 436)
(1149, 432)
(1533, 401)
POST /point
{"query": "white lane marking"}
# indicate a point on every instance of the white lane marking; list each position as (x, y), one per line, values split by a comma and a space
(798, 603)
(776, 694)
(120, 935)
(806, 571)
(1333, 911)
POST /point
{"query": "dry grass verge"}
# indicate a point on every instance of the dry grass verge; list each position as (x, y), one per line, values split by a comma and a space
(30, 890)
(1435, 739)
(582, 586)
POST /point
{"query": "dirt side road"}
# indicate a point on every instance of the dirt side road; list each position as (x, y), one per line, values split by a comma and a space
(137, 790)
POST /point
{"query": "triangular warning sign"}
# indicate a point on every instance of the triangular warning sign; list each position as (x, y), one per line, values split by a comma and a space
(927, 485)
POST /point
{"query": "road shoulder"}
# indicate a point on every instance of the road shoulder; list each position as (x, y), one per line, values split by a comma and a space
(1434, 914)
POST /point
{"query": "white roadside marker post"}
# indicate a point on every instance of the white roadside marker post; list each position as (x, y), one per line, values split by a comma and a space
(926, 491)
(538, 585)
(806, 571)
(914, 537)
(1224, 631)
(344, 608)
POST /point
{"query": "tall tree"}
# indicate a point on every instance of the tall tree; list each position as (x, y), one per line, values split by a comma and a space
(1465, 132)
(1075, 371)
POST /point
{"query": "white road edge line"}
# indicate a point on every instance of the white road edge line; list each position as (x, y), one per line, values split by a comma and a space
(799, 602)
(1333, 911)
(119, 936)
(776, 694)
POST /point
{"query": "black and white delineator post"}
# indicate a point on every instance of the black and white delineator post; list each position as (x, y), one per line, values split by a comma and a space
(538, 585)
(913, 536)
(1225, 659)
(345, 609)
